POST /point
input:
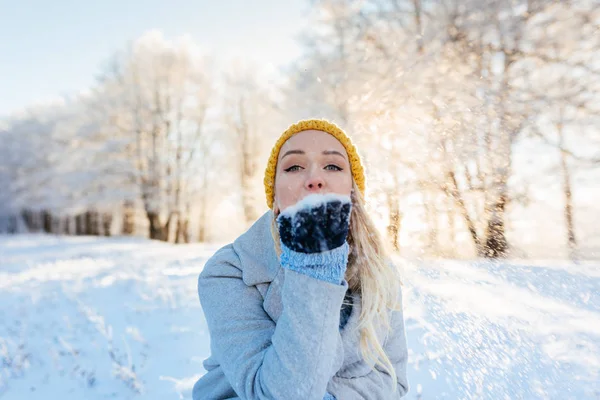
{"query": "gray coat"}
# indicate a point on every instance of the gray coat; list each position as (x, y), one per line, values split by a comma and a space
(274, 332)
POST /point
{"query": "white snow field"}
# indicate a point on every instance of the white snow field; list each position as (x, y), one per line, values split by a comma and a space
(119, 318)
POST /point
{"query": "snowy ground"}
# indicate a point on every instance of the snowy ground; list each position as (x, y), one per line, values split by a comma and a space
(95, 318)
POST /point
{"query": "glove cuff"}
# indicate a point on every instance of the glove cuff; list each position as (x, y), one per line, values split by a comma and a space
(328, 265)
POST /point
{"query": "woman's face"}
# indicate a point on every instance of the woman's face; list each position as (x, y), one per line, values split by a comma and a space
(311, 162)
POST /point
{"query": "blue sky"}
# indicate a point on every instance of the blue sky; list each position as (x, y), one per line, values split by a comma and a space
(51, 48)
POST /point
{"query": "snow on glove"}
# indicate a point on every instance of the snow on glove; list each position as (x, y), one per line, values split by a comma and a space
(329, 396)
(315, 224)
(313, 236)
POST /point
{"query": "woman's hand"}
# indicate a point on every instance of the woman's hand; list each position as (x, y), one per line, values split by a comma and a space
(313, 236)
(315, 224)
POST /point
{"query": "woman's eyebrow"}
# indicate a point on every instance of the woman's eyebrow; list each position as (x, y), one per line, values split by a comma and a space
(287, 153)
(325, 152)
(335, 152)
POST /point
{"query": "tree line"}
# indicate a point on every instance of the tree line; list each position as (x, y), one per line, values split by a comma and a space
(441, 97)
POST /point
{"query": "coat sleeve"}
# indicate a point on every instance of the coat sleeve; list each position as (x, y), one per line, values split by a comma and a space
(261, 360)
(377, 385)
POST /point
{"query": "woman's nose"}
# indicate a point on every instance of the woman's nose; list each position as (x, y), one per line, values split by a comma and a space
(315, 183)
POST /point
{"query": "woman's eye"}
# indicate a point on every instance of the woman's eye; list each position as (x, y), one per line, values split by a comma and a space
(333, 167)
(292, 168)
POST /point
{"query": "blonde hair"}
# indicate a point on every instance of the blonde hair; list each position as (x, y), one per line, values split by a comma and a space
(370, 274)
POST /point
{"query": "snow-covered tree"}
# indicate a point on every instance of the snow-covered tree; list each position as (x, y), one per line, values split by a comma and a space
(154, 99)
(436, 94)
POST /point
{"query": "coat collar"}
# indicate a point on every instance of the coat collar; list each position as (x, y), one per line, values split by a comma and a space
(256, 250)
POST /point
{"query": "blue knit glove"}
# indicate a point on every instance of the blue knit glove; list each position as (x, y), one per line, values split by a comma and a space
(327, 266)
(313, 236)
(329, 396)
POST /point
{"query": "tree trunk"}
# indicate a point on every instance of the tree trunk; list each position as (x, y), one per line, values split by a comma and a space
(128, 226)
(247, 198)
(107, 223)
(202, 232)
(186, 225)
(571, 238)
(154, 228)
(56, 226)
(496, 245)
(570, 224)
(456, 195)
(27, 216)
(157, 231)
(183, 234)
(88, 223)
(178, 229)
(47, 221)
(202, 224)
(92, 223)
(12, 225)
(249, 211)
(395, 218)
(80, 224)
(432, 222)
(248, 169)
(451, 213)
(67, 228)
(418, 7)
(167, 228)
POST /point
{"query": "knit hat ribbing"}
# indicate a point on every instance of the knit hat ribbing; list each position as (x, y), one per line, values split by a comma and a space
(319, 125)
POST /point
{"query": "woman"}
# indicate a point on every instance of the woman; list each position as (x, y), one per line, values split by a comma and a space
(305, 304)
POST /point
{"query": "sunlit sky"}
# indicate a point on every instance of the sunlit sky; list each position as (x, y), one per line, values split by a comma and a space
(53, 48)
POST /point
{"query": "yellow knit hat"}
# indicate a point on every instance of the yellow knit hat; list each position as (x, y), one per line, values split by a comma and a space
(320, 125)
